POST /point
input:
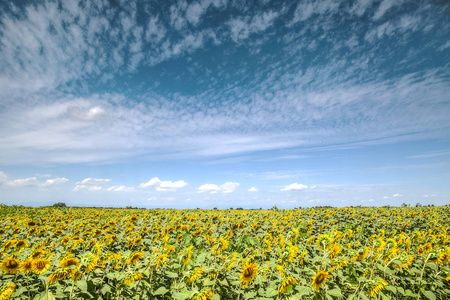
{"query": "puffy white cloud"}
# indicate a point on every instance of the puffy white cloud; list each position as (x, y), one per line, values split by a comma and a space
(294, 186)
(120, 188)
(55, 181)
(227, 187)
(91, 184)
(163, 185)
(209, 187)
(397, 195)
(253, 189)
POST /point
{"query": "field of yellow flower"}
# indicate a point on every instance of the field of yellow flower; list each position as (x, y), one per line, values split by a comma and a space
(326, 253)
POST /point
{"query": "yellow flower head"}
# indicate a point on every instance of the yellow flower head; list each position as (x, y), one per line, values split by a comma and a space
(378, 286)
(38, 253)
(7, 290)
(195, 275)
(132, 278)
(10, 265)
(286, 284)
(205, 295)
(26, 266)
(69, 261)
(323, 241)
(60, 275)
(248, 274)
(65, 240)
(319, 279)
(21, 244)
(40, 265)
(135, 257)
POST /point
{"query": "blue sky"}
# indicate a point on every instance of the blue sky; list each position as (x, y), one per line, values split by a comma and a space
(220, 103)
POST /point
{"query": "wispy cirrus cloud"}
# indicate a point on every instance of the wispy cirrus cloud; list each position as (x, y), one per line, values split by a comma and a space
(54, 107)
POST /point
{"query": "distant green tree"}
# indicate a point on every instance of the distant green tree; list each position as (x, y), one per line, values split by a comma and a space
(59, 204)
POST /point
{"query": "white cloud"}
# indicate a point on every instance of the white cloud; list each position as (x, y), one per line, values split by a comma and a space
(241, 28)
(155, 31)
(294, 186)
(253, 189)
(30, 181)
(163, 185)
(177, 19)
(91, 184)
(55, 181)
(227, 187)
(315, 105)
(360, 7)
(209, 187)
(306, 9)
(384, 7)
(120, 188)
(91, 114)
(397, 195)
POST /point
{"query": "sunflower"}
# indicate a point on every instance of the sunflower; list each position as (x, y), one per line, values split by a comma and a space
(10, 265)
(8, 245)
(376, 287)
(135, 257)
(21, 244)
(205, 295)
(7, 290)
(323, 241)
(92, 261)
(363, 253)
(319, 279)
(60, 275)
(65, 240)
(195, 275)
(248, 274)
(137, 241)
(26, 266)
(31, 223)
(132, 278)
(38, 253)
(32, 231)
(40, 265)
(302, 257)
(286, 284)
(69, 261)
(293, 251)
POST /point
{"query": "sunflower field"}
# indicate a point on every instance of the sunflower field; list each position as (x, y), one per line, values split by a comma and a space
(316, 253)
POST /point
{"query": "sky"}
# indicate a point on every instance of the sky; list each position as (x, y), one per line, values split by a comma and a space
(224, 103)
